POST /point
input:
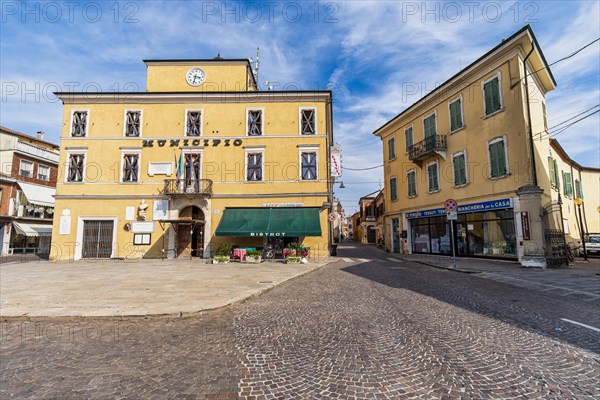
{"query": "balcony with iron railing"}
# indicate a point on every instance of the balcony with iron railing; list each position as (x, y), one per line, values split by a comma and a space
(188, 187)
(424, 149)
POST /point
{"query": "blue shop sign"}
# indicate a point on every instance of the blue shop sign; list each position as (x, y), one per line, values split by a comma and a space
(464, 209)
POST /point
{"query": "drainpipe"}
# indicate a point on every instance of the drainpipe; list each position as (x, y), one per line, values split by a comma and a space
(530, 131)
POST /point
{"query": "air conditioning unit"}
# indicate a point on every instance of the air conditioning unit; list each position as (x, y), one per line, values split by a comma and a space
(20, 210)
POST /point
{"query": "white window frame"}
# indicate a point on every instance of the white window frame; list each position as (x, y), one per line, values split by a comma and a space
(141, 111)
(306, 149)
(499, 76)
(437, 167)
(462, 113)
(458, 153)
(413, 171)
(397, 191)
(252, 150)
(412, 128)
(262, 121)
(192, 151)
(300, 121)
(87, 122)
(423, 124)
(38, 172)
(487, 150)
(125, 151)
(393, 137)
(21, 161)
(185, 118)
(67, 163)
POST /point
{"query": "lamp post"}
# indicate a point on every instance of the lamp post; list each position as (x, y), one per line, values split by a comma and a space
(578, 202)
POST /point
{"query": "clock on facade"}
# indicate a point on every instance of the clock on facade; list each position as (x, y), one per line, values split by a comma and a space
(195, 77)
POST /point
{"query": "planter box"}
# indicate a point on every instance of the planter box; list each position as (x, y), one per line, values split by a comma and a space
(293, 261)
(253, 259)
(220, 261)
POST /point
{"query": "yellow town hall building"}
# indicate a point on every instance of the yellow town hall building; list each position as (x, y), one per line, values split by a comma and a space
(202, 157)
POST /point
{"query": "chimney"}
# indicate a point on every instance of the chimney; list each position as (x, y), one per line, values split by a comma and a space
(40, 135)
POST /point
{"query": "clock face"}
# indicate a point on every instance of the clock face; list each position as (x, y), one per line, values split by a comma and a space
(195, 77)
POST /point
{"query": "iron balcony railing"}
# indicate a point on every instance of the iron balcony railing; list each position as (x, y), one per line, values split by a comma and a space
(423, 148)
(188, 187)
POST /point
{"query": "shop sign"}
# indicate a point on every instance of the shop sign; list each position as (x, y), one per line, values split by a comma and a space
(464, 209)
(267, 234)
(277, 205)
(192, 142)
(525, 225)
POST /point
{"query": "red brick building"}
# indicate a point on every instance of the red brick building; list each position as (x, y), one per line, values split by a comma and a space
(29, 168)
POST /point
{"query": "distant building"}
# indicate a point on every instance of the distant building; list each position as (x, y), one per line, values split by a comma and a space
(27, 182)
(366, 223)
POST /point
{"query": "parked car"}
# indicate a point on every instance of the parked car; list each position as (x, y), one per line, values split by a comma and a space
(592, 243)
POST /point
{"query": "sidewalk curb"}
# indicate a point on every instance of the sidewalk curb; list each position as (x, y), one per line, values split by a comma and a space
(464, 271)
(180, 314)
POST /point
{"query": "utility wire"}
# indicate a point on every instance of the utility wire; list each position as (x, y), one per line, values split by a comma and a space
(362, 169)
(553, 134)
(564, 58)
(573, 117)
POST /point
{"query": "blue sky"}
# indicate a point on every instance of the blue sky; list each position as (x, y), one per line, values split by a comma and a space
(372, 54)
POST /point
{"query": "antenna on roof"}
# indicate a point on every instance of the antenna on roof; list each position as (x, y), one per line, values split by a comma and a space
(256, 65)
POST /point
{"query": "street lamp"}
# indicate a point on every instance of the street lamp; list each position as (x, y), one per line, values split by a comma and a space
(578, 202)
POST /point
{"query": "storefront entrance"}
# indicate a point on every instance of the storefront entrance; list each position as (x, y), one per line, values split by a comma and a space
(482, 234)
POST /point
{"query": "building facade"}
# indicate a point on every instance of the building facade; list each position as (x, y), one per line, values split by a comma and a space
(27, 182)
(479, 139)
(203, 157)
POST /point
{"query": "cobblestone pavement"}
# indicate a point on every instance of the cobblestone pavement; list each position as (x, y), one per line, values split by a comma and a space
(367, 329)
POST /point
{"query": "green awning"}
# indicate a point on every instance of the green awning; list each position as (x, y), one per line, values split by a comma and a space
(277, 222)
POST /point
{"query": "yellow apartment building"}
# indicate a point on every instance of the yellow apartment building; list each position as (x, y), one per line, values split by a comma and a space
(202, 157)
(479, 139)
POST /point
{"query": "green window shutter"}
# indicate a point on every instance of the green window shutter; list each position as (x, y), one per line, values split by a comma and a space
(455, 116)
(564, 178)
(493, 160)
(497, 159)
(580, 188)
(552, 172)
(393, 189)
(408, 136)
(391, 149)
(556, 175)
(460, 176)
(412, 184)
(568, 184)
(432, 175)
(492, 96)
(429, 126)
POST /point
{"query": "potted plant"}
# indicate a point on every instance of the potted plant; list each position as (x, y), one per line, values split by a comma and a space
(291, 248)
(254, 256)
(222, 254)
(293, 259)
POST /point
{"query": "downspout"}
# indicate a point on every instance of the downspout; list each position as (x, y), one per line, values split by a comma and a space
(330, 179)
(530, 130)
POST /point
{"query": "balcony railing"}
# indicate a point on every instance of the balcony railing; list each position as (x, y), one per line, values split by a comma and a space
(423, 149)
(190, 187)
(37, 152)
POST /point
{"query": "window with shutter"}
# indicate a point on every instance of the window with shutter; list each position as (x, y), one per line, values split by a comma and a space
(79, 123)
(498, 166)
(194, 123)
(391, 148)
(460, 172)
(432, 173)
(412, 183)
(254, 122)
(254, 167)
(130, 167)
(429, 126)
(76, 165)
(408, 137)
(132, 123)
(552, 172)
(456, 120)
(393, 189)
(307, 123)
(491, 91)
(309, 165)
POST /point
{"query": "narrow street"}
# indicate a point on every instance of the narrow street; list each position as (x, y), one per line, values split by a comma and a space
(364, 327)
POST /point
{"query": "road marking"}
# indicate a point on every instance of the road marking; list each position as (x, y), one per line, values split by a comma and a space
(394, 259)
(347, 259)
(362, 260)
(580, 324)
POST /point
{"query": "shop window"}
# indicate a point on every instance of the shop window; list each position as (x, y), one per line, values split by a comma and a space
(43, 173)
(432, 177)
(412, 183)
(491, 93)
(408, 137)
(254, 167)
(76, 168)
(567, 184)
(308, 121)
(131, 167)
(309, 165)
(193, 123)
(456, 118)
(460, 169)
(133, 123)
(429, 126)
(393, 188)
(497, 155)
(391, 148)
(26, 169)
(254, 122)
(79, 124)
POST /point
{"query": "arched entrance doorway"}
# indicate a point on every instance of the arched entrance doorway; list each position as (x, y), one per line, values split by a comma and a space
(190, 237)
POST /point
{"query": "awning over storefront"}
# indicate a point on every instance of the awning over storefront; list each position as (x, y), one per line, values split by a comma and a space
(276, 222)
(39, 195)
(27, 229)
